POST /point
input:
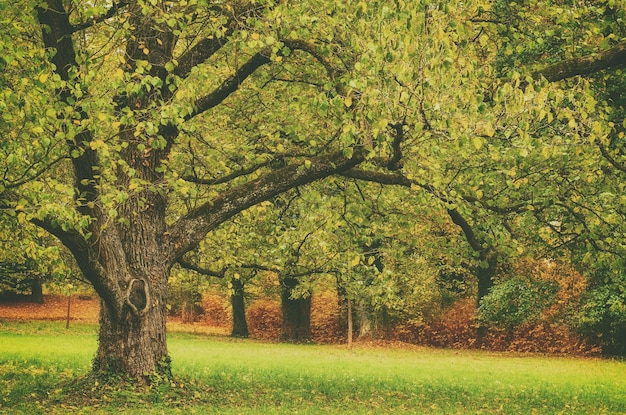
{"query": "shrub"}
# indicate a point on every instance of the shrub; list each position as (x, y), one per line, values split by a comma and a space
(325, 318)
(217, 310)
(454, 328)
(601, 316)
(517, 301)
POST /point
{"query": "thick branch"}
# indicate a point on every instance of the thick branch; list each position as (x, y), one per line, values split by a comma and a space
(81, 249)
(586, 65)
(57, 35)
(189, 230)
(199, 53)
(605, 153)
(98, 19)
(207, 47)
(228, 177)
(470, 236)
(201, 270)
(397, 179)
(230, 85)
(395, 162)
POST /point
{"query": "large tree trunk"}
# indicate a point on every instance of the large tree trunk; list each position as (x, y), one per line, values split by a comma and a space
(240, 325)
(135, 346)
(296, 324)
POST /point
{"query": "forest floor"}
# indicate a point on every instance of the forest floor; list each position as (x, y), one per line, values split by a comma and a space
(54, 307)
(84, 309)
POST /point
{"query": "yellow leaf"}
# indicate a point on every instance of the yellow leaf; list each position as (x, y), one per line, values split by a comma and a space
(488, 129)
(348, 101)
(96, 144)
(572, 123)
(355, 261)
(477, 142)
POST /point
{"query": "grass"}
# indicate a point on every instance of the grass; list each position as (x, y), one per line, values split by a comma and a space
(43, 368)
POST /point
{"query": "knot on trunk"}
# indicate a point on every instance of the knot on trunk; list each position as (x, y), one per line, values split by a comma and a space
(138, 296)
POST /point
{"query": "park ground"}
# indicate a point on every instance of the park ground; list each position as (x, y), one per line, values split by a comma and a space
(83, 309)
(44, 370)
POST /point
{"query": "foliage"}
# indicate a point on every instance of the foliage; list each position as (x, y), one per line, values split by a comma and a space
(516, 301)
(217, 311)
(264, 319)
(326, 318)
(456, 328)
(601, 315)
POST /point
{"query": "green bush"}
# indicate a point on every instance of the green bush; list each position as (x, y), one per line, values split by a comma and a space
(519, 300)
(602, 316)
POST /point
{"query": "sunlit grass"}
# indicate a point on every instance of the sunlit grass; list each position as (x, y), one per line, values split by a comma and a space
(225, 376)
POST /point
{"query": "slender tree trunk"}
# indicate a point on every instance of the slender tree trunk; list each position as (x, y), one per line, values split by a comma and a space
(296, 324)
(365, 322)
(69, 309)
(240, 325)
(350, 328)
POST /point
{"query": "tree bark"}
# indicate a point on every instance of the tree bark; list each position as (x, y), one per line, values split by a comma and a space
(350, 324)
(614, 57)
(134, 343)
(240, 324)
(296, 324)
(37, 290)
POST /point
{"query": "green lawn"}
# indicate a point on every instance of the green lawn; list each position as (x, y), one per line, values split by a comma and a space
(42, 365)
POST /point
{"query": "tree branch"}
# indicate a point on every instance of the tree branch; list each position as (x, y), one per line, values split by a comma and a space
(189, 230)
(228, 177)
(107, 288)
(395, 162)
(398, 179)
(207, 47)
(470, 236)
(586, 65)
(605, 153)
(201, 270)
(57, 35)
(200, 52)
(230, 85)
(98, 19)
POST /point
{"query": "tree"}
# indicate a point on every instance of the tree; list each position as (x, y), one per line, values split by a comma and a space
(125, 99)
